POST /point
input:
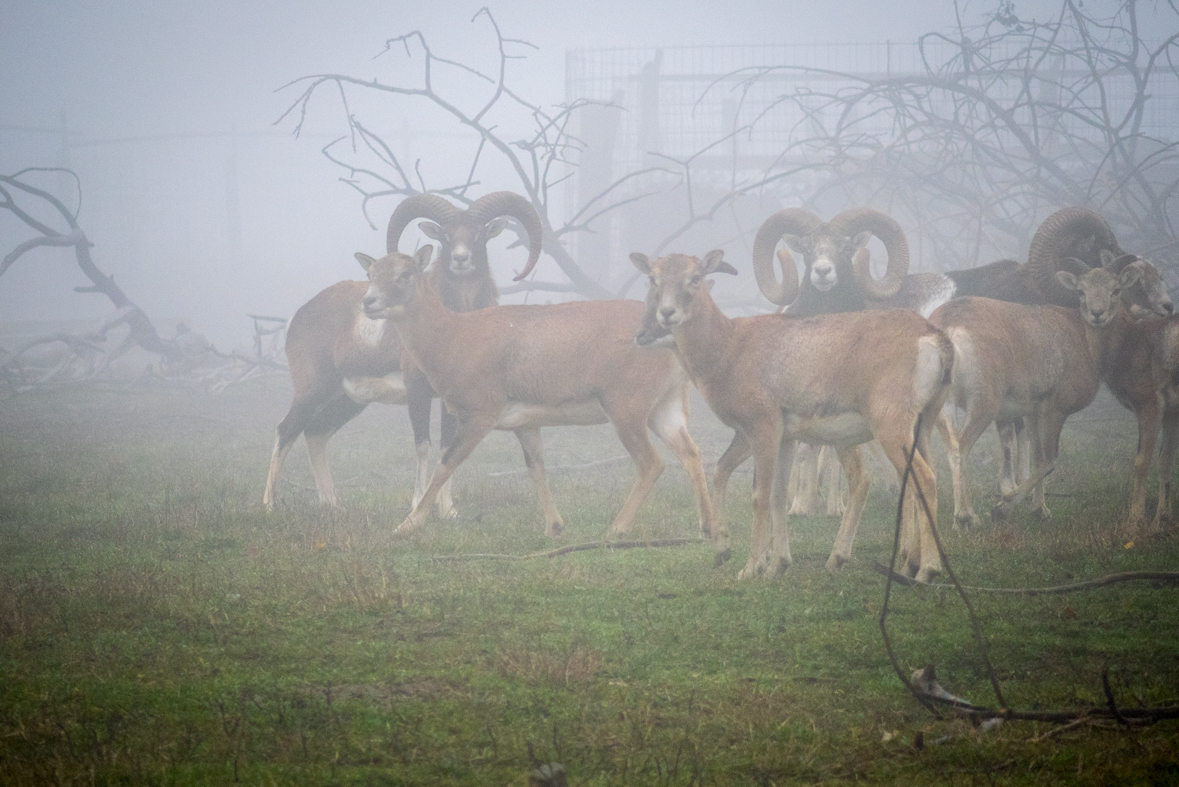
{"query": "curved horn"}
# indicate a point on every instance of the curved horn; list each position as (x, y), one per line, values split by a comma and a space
(795, 221)
(855, 220)
(1058, 237)
(507, 203)
(419, 206)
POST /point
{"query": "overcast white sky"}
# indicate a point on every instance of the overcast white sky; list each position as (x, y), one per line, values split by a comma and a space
(142, 68)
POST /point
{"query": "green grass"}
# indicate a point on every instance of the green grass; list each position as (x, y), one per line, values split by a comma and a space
(157, 626)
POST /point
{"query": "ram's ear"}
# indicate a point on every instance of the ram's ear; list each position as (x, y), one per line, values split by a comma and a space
(495, 227)
(421, 257)
(642, 262)
(1068, 280)
(714, 262)
(365, 261)
(1130, 275)
(860, 240)
(431, 230)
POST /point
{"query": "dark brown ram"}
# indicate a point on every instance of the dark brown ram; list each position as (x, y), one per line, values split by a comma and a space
(341, 360)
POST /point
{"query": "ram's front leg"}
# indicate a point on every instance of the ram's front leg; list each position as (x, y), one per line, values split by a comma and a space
(737, 452)
(766, 441)
(851, 460)
(469, 434)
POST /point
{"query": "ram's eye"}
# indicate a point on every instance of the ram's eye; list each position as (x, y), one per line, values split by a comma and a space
(651, 281)
(695, 279)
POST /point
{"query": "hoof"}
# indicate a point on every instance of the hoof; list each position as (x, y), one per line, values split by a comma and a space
(720, 558)
(555, 530)
(777, 569)
(966, 522)
(1000, 512)
(406, 527)
(835, 562)
(908, 566)
(925, 575)
(770, 567)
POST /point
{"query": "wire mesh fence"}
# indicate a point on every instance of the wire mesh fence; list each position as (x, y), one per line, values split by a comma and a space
(678, 100)
(740, 113)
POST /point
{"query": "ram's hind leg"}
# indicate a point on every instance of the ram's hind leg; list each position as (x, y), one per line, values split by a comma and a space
(670, 422)
(1009, 447)
(317, 420)
(284, 437)
(326, 422)
(918, 549)
(1150, 419)
(630, 424)
(830, 471)
(779, 505)
(447, 425)
(533, 446)
(1044, 426)
(803, 488)
(959, 446)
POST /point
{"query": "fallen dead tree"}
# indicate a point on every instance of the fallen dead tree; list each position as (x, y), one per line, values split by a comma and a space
(62, 357)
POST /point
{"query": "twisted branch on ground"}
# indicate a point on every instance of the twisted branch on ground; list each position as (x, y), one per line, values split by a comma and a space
(923, 684)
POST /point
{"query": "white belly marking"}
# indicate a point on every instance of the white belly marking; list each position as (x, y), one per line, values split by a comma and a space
(389, 389)
(837, 430)
(518, 414)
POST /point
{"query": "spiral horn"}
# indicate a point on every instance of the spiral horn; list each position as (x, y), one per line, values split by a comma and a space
(856, 220)
(507, 203)
(795, 221)
(419, 206)
(1058, 237)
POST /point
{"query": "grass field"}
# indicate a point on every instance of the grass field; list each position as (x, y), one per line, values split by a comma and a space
(157, 626)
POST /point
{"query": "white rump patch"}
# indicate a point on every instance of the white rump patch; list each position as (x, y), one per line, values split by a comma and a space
(368, 332)
(928, 375)
(584, 413)
(965, 372)
(389, 389)
(942, 290)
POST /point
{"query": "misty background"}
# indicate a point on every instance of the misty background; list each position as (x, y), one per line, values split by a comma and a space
(206, 210)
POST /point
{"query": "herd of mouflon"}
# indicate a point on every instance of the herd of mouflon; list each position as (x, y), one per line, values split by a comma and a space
(848, 359)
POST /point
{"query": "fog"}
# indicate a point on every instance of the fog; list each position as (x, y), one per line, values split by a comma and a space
(205, 211)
